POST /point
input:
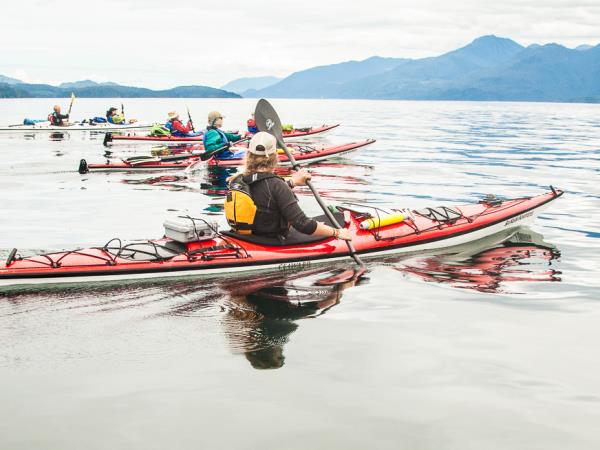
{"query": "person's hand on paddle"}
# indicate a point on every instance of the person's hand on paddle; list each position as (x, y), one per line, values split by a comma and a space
(344, 233)
(300, 177)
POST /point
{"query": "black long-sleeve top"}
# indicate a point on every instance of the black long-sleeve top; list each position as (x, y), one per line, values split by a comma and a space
(57, 118)
(277, 209)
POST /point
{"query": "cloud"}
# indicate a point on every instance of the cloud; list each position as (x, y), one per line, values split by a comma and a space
(163, 44)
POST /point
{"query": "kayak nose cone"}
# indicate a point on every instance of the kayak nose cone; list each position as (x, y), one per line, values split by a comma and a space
(83, 167)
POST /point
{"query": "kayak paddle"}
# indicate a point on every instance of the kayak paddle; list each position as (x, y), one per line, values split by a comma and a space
(190, 119)
(267, 120)
(71, 105)
(207, 155)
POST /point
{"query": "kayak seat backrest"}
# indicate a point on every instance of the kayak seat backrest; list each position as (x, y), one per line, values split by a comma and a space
(294, 237)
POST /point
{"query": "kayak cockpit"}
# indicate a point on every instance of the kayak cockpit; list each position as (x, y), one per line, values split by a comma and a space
(293, 237)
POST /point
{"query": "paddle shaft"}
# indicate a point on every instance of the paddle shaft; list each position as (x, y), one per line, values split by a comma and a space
(208, 155)
(190, 119)
(71, 105)
(320, 201)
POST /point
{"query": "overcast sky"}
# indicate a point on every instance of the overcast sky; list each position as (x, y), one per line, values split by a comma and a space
(162, 43)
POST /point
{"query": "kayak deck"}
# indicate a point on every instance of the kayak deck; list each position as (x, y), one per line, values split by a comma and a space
(429, 229)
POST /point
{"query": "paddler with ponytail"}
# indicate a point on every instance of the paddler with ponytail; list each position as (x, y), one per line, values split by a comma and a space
(214, 138)
(261, 203)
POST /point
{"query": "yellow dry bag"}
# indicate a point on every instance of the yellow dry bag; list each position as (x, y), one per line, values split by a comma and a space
(382, 221)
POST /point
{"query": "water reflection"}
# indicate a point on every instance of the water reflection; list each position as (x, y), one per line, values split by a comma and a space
(267, 310)
(525, 257)
(258, 313)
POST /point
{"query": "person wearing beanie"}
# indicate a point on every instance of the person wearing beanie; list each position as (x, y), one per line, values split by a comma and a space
(276, 205)
(177, 128)
(214, 138)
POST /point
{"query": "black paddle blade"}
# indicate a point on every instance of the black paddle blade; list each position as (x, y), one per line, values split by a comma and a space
(266, 119)
(83, 167)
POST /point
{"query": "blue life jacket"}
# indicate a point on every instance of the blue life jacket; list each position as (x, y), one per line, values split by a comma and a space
(222, 134)
(225, 154)
(174, 132)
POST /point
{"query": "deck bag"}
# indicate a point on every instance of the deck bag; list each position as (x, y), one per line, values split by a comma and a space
(189, 229)
(159, 130)
(33, 121)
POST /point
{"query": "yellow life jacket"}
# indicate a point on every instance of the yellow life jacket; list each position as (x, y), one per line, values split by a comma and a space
(240, 209)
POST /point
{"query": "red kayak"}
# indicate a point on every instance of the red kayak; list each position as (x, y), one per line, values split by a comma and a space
(132, 138)
(209, 251)
(306, 153)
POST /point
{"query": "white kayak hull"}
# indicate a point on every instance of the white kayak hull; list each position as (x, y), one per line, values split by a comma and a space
(76, 126)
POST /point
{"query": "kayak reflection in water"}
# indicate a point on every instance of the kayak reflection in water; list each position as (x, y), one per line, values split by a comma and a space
(215, 183)
(56, 118)
(265, 311)
(525, 257)
(263, 204)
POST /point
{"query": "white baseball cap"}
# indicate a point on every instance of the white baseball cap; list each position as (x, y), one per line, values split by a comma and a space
(263, 144)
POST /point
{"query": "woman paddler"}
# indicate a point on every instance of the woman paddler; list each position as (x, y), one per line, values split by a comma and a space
(261, 203)
(113, 116)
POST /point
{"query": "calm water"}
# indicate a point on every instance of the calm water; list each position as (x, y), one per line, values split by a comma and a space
(491, 348)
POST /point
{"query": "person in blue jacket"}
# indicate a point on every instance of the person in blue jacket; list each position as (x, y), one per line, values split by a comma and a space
(215, 138)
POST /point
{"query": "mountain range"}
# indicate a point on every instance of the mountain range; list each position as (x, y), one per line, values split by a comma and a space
(12, 88)
(243, 84)
(489, 68)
